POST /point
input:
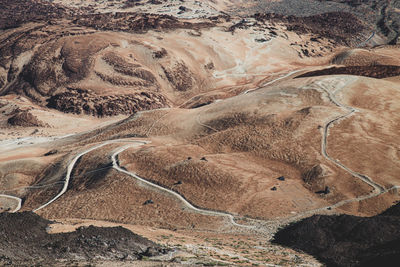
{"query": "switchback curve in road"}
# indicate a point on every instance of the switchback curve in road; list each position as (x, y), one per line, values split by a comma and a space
(69, 171)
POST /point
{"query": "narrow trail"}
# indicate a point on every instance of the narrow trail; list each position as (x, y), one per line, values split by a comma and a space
(204, 125)
(69, 171)
(377, 188)
(115, 165)
(246, 92)
(271, 82)
(363, 43)
(19, 202)
(241, 65)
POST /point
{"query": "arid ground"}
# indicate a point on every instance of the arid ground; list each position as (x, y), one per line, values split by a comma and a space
(203, 127)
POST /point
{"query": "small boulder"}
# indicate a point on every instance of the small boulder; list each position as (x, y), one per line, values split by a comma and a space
(327, 190)
(51, 152)
(149, 201)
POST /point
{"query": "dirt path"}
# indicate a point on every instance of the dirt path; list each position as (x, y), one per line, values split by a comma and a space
(272, 82)
(114, 158)
(246, 92)
(378, 189)
(69, 171)
(186, 203)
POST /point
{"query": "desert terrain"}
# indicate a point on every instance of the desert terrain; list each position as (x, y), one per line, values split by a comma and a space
(195, 131)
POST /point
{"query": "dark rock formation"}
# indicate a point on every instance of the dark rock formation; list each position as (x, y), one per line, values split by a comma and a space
(347, 240)
(378, 71)
(24, 239)
(15, 13)
(25, 119)
(84, 102)
(134, 22)
(180, 77)
(339, 27)
(313, 176)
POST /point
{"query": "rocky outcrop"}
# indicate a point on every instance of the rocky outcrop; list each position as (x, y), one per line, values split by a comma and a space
(339, 27)
(25, 241)
(15, 13)
(120, 65)
(135, 22)
(47, 74)
(313, 176)
(378, 71)
(66, 47)
(179, 76)
(84, 102)
(25, 119)
(347, 240)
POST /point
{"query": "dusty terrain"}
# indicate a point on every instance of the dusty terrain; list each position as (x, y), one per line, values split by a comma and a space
(203, 126)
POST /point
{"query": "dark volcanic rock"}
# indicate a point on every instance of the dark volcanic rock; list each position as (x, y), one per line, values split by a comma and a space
(24, 239)
(347, 240)
(340, 27)
(180, 77)
(25, 119)
(378, 71)
(15, 13)
(381, 16)
(135, 22)
(392, 211)
(83, 102)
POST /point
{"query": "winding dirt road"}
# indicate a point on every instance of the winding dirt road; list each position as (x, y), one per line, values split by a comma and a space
(69, 170)
(378, 189)
(186, 203)
(115, 165)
